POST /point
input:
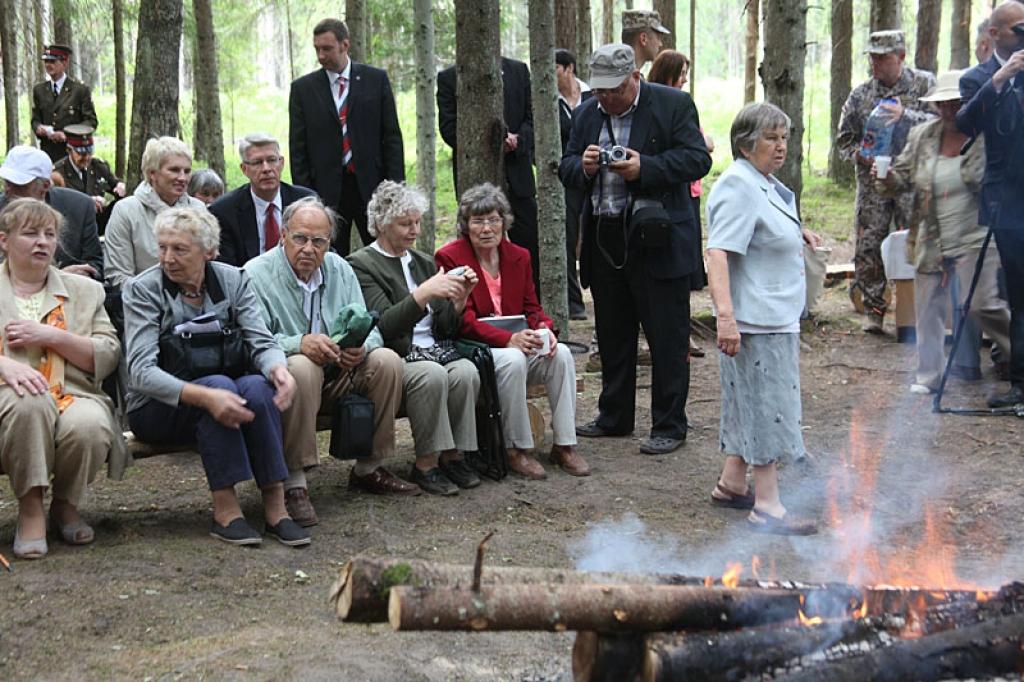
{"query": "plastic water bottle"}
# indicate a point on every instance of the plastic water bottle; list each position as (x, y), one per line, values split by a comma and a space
(877, 140)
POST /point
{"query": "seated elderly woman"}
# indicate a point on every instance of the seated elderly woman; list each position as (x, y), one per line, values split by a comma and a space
(197, 384)
(58, 345)
(130, 246)
(206, 186)
(420, 314)
(483, 220)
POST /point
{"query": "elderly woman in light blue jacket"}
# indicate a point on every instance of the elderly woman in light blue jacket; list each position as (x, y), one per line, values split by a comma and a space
(756, 275)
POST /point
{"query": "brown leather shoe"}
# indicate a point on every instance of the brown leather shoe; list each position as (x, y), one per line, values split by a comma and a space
(380, 481)
(298, 506)
(569, 460)
(525, 465)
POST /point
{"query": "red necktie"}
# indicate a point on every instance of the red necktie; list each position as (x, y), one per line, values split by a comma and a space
(346, 147)
(271, 232)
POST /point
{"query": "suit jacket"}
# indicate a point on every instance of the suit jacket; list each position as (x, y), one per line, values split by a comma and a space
(518, 113)
(666, 132)
(565, 116)
(1000, 117)
(518, 295)
(96, 181)
(236, 213)
(72, 105)
(314, 133)
(975, 77)
(79, 238)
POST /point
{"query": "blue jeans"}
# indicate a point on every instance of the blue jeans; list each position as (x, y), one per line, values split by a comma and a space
(229, 455)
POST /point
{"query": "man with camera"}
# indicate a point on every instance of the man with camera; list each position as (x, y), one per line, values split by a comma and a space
(993, 96)
(633, 151)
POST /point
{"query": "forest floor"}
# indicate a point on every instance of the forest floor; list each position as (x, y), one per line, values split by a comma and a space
(903, 494)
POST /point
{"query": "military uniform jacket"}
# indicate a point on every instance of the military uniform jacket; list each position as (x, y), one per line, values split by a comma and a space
(911, 86)
(72, 105)
(96, 181)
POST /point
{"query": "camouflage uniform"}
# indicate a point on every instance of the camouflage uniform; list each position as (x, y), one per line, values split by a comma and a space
(874, 212)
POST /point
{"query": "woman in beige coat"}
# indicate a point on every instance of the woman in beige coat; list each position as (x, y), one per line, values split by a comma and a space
(58, 345)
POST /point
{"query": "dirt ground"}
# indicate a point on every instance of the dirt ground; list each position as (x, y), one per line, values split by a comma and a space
(155, 598)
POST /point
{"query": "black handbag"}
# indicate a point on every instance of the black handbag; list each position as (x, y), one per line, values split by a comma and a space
(189, 356)
(352, 427)
(491, 457)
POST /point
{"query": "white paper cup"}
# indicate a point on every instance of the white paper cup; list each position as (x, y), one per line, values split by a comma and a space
(882, 164)
(545, 337)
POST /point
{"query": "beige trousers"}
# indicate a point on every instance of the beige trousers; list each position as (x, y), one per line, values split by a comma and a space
(379, 379)
(37, 443)
(440, 401)
(515, 371)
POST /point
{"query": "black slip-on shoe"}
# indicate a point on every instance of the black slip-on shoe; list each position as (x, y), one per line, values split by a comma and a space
(238, 532)
(287, 532)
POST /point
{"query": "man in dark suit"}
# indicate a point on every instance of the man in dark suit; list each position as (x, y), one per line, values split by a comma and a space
(993, 96)
(519, 182)
(85, 173)
(637, 264)
(26, 174)
(58, 102)
(250, 216)
(343, 131)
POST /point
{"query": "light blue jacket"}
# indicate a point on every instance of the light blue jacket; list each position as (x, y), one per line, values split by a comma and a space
(754, 219)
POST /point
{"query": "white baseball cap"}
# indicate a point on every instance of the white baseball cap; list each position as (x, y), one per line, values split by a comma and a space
(25, 164)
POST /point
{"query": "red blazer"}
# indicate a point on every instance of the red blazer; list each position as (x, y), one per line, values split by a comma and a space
(518, 295)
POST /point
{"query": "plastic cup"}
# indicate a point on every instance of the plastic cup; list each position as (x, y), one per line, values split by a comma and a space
(545, 337)
(882, 164)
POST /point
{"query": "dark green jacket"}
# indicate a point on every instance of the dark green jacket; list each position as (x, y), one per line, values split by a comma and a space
(385, 290)
(96, 181)
(73, 105)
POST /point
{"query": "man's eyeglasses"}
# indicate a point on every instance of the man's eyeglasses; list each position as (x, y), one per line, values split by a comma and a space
(492, 222)
(269, 160)
(300, 240)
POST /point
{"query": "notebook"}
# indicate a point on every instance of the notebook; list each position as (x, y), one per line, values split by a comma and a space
(510, 323)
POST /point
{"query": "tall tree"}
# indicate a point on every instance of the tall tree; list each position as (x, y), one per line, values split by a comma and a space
(120, 88)
(584, 39)
(782, 73)
(355, 19)
(667, 10)
(208, 136)
(480, 93)
(840, 83)
(693, 49)
(426, 140)
(155, 96)
(929, 21)
(608, 22)
(960, 36)
(548, 152)
(62, 23)
(753, 11)
(8, 53)
(885, 14)
(565, 24)
(40, 40)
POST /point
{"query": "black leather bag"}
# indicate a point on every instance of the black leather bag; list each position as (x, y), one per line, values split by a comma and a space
(352, 427)
(651, 222)
(189, 356)
(491, 458)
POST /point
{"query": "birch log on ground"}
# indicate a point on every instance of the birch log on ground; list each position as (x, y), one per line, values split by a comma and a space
(602, 608)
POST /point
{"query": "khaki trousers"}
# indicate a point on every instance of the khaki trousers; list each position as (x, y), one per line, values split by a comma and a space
(515, 371)
(37, 443)
(440, 401)
(378, 379)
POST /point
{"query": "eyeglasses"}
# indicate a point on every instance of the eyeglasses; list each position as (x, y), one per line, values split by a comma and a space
(492, 222)
(269, 160)
(300, 240)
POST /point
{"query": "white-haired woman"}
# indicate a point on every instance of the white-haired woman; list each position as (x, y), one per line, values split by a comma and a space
(129, 245)
(420, 316)
(202, 389)
(756, 275)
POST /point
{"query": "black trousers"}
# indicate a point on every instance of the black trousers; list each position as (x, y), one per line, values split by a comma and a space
(1011, 256)
(624, 300)
(524, 231)
(572, 235)
(351, 209)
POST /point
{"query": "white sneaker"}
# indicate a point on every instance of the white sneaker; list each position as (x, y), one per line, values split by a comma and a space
(920, 389)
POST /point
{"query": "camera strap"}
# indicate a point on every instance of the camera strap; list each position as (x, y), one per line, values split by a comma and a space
(623, 218)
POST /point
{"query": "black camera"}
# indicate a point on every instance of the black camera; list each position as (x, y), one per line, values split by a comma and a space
(612, 154)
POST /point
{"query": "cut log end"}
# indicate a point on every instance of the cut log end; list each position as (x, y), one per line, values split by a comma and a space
(340, 596)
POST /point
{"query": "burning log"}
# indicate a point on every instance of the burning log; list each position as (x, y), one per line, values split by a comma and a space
(990, 648)
(608, 657)
(602, 608)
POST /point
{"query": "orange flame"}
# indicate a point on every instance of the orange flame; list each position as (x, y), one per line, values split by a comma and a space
(808, 622)
(709, 581)
(731, 577)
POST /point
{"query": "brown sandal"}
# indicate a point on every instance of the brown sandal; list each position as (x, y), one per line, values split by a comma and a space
(732, 500)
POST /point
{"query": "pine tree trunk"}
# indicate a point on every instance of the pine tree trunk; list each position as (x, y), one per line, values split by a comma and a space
(960, 35)
(8, 53)
(120, 88)
(693, 49)
(667, 10)
(208, 138)
(840, 83)
(782, 72)
(62, 32)
(608, 22)
(40, 41)
(548, 153)
(753, 11)
(355, 19)
(480, 94)
(929, 21)
(565, 25)
(885, 14)
(426, 138)
(291, 40)
(584, 39)
(155, 96)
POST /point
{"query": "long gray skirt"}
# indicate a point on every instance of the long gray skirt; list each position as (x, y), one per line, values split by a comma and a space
(761, 412)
